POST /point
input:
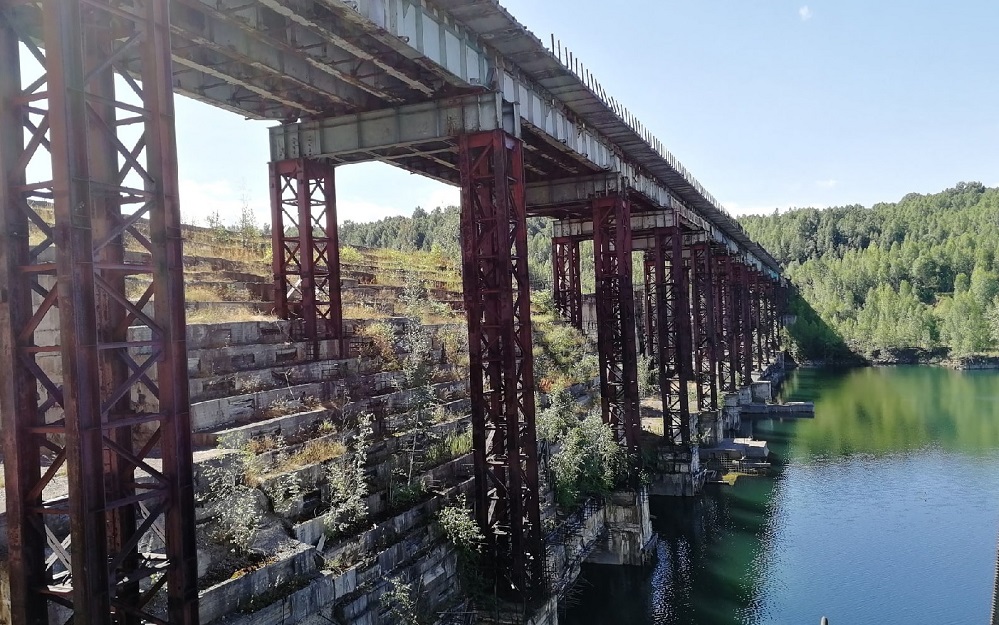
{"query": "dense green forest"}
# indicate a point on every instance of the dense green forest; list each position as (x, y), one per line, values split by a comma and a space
(919, 273)
(438, 230)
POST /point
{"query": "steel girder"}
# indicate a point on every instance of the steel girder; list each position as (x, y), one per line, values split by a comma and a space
(123, 396)
(306, 249)
(566, 280)
(616, 318)
(704, 326)
(497, 300)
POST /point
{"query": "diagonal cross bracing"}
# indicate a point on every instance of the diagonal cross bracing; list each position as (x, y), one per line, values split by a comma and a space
(127, 520)
(505, 450)
(616, 318)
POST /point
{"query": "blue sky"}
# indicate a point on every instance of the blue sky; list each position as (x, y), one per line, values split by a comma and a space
(770, 103)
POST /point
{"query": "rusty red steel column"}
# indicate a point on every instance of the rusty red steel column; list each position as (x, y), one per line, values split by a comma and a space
(675, 337)
(650, 344)
(723, 319)
(566, 284)
(306, 250)
(24, 269)
(745, 325)
(111, 368)
(736, 343)
(766, 318)
(757, 314)
(615, 298)
(505, 449)
(773, 325)
(705, 324)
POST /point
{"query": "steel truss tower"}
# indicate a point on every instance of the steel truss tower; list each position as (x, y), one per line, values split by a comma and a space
(567, 286)
(745, 324)
(670, 329)
(497, 300)
(616, 340)
(725, 321)
(704, 326)
(306, 249)
(92, 332)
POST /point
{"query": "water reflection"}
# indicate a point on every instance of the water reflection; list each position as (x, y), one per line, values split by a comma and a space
(888, 410)
(875, 514)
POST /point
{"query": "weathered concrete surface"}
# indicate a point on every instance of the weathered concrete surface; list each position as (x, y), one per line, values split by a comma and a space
(237, 594)
(629, 540)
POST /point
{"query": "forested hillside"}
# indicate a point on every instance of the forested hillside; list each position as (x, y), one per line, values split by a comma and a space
(439, 229)
(921, 272)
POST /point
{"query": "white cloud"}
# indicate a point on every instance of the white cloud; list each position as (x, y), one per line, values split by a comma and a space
(198, 200)
(362, 211)
(827, 184)
(805, 13)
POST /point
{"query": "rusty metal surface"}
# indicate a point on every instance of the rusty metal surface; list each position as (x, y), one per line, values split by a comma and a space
(742, 323)
(671, 331)
(21, 312)
(616, 345)
(704, 326)
(505, 450)
(727, 353)
(567, 285)
(305, 249)
(681, 343)
(129, 536)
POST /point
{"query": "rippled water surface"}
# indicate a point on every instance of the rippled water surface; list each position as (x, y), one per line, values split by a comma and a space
(884, 510)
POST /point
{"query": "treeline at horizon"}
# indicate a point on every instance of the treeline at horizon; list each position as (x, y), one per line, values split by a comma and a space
(919, 273)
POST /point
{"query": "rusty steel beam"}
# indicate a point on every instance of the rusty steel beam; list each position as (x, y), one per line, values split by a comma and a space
(566, 283)
(704, 326)
(21, 409)
(98, 395)
(306, 249)
(505, 449)
(612, 247)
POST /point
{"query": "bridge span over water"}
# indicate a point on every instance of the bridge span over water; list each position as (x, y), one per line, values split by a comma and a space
(456, 90)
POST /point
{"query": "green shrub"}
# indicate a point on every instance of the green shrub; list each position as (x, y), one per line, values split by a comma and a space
(589, 462)
(348, 485)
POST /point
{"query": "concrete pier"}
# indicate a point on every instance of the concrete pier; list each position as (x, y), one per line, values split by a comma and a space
(630, 540)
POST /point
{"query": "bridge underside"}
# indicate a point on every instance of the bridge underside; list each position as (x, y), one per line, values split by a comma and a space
(350, 87)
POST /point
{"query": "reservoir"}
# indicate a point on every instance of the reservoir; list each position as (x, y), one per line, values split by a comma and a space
(883, 509)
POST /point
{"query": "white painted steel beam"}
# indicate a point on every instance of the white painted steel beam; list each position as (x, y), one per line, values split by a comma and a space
(437, 35)
(352, 137)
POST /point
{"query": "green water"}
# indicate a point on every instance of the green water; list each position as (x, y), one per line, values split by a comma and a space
(884, 509)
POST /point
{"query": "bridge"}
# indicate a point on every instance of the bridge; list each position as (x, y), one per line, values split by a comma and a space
(456, 90)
